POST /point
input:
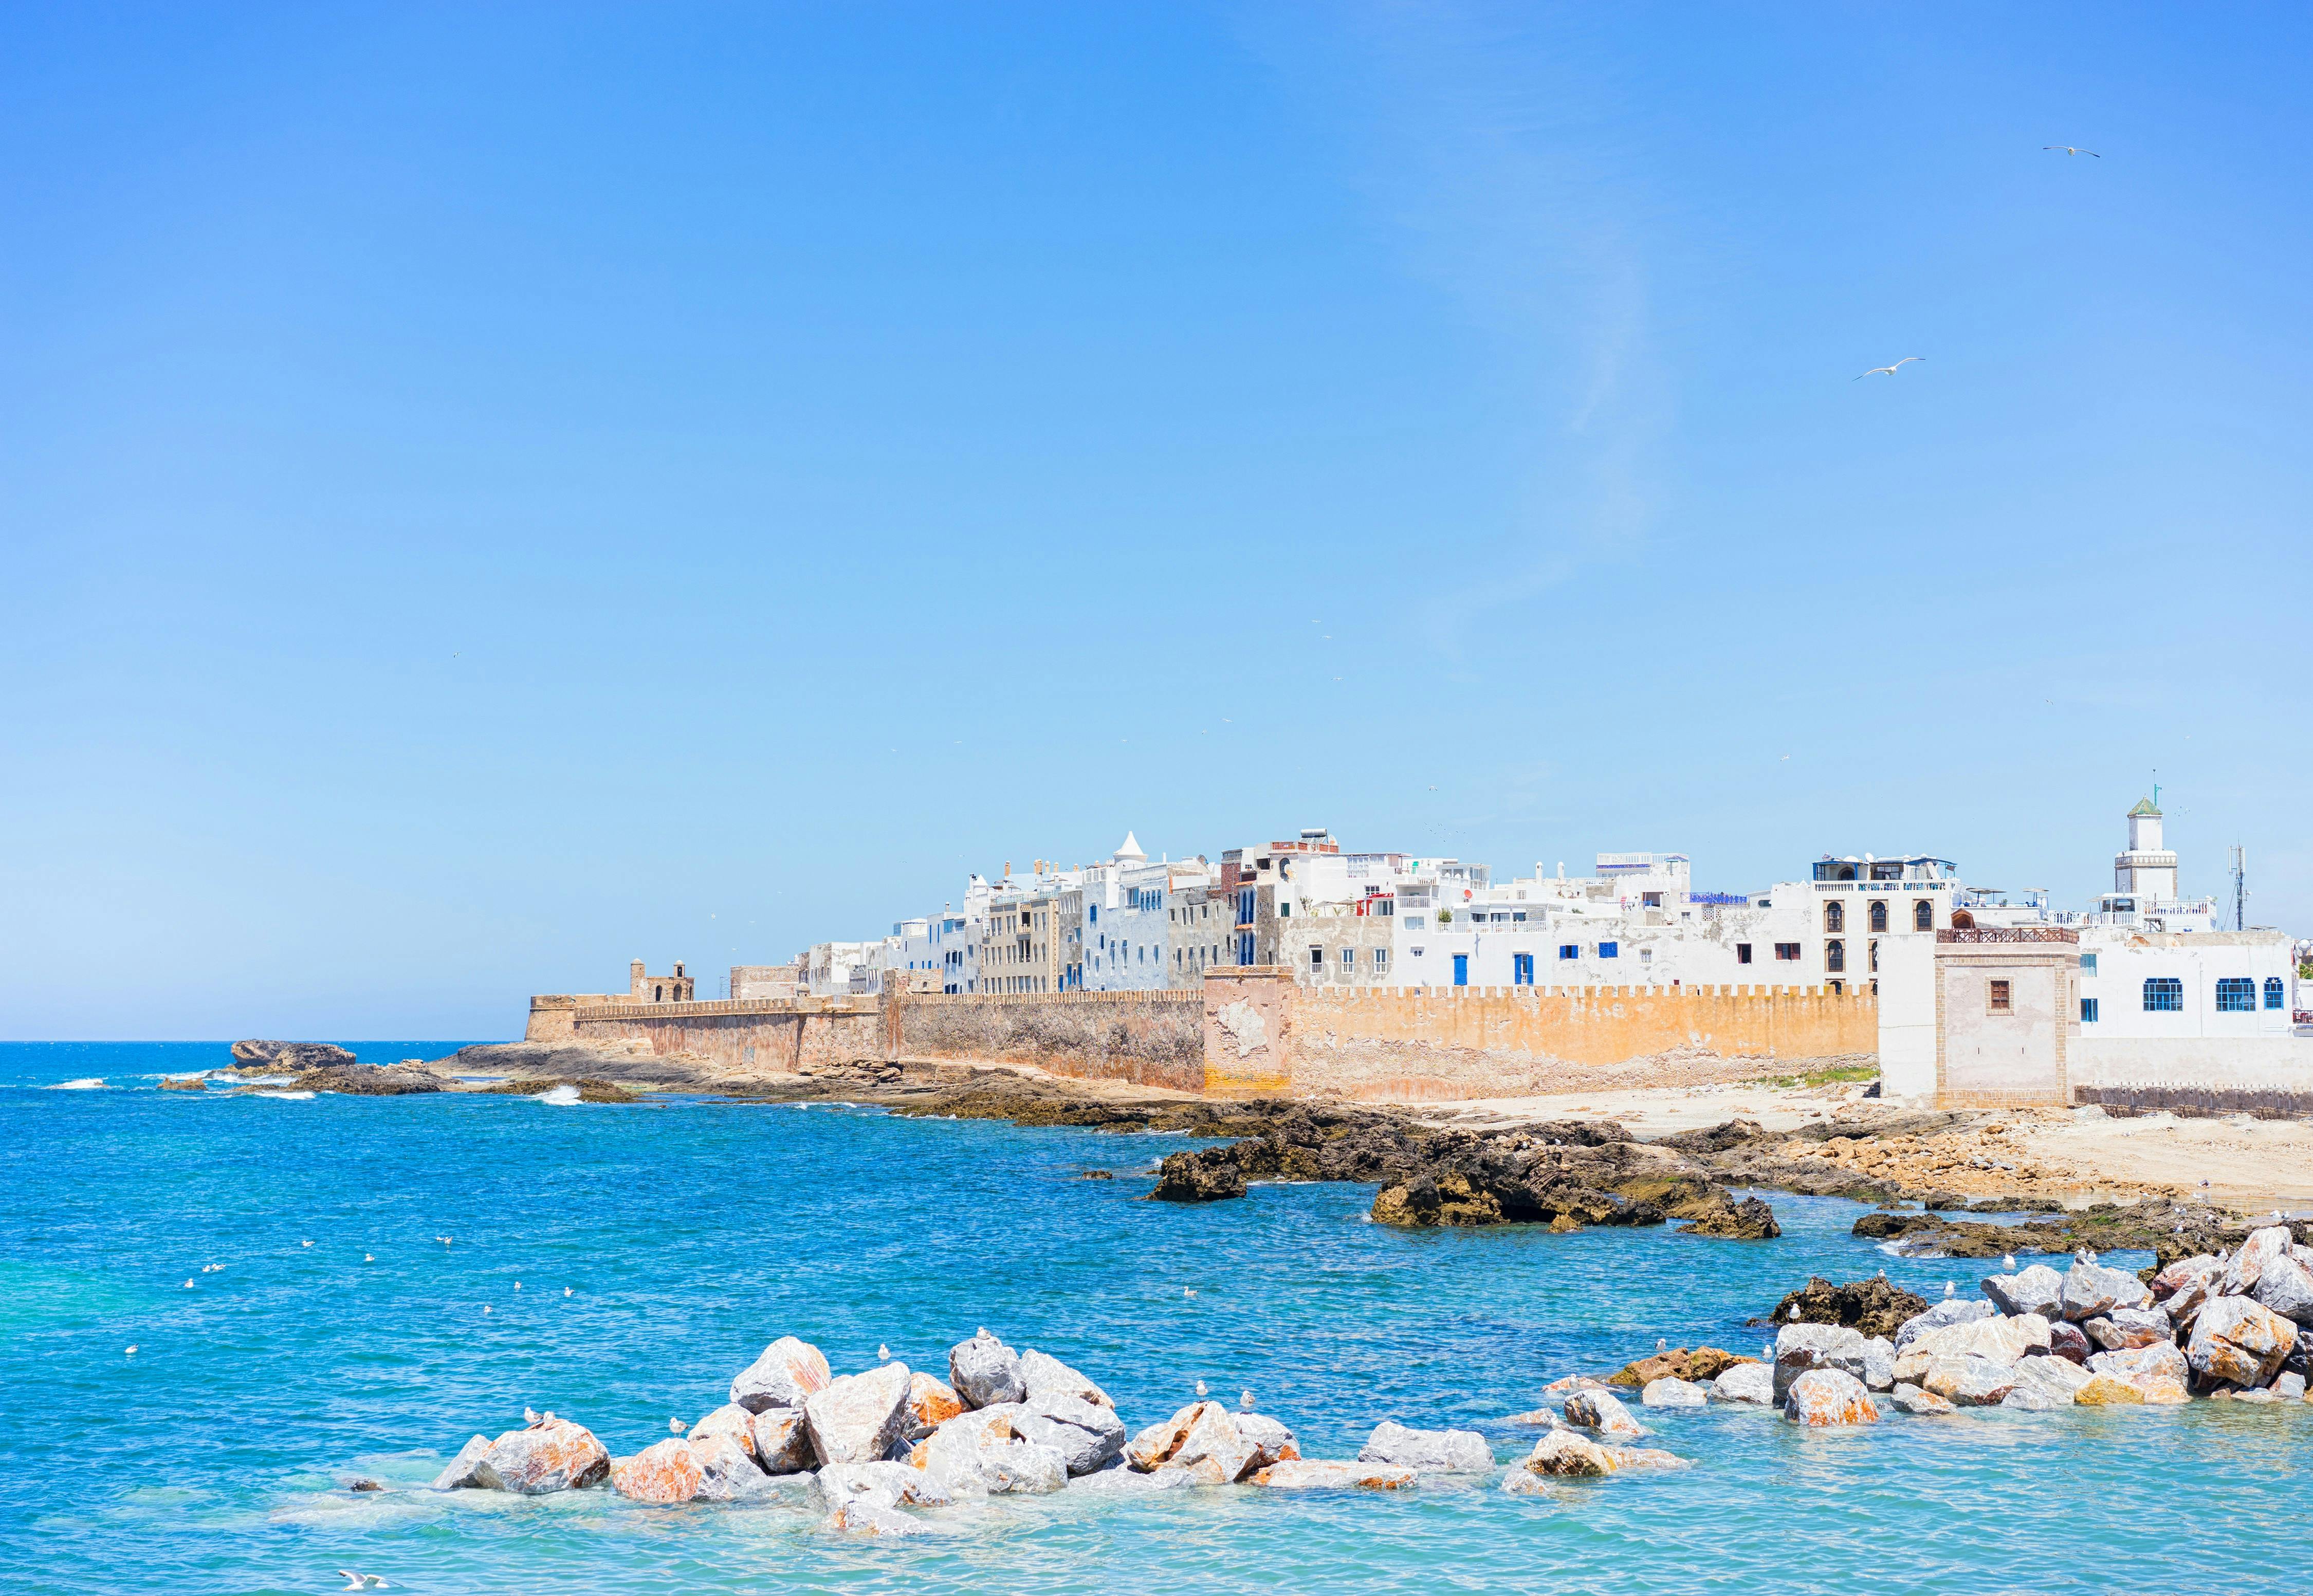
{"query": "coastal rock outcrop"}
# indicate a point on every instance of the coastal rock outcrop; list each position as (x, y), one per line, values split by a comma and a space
(2239, 1341)
(1448, 1452)
(1085, 1435)
(460, 1473)
(293, 1057)
(668, 1472)
(1703, 1363)
(551, 1455)
(984, 1372)
(1802, 1346)
(1307, 1474)
(1822, 1399)
(1602, 1412)
(856, 1418)
(2091, 1290)
(1670, 1392)
(1745, 1383)
(1875, 1306)
(786, 1375)
(1564, 1454)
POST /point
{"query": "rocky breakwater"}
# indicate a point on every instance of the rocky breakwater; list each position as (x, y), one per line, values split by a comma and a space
(321, 1067)
(1588, 1434)
(872, 1452)
(1565, 1174)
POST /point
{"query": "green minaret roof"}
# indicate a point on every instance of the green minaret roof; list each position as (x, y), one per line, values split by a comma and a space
(2144, 810)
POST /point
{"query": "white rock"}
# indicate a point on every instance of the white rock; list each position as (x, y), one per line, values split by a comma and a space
(1824, 1398)
(1745, 1383)
(1317, 1473)
(2055, 1378)
(1604, 1413)
(2034, 1289)
(2092, 1291)
(1801, 1347)
(1086, 1436)
(1879, 1364)
(1121, 1478)
(2289, 1386)
(1272, 1443)
(783, 1441)
(1517, 1482)
(885, 1485)
(868, 1518)
(1045, 1376)
(460, 1474)
(2126, 1327)
(1912, 1399)
(2247, 1266)
(1671, 1392)
(984, 1371)
(858, 1416)
(2239, 1341)
(728, 1471)
(2286, 1286)
(1448, 1452)
(552, 1455)
(1951, 1310)
(785, 1376)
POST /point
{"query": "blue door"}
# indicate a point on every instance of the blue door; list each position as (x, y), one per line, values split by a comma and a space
(1522, 969)
(1461, 969)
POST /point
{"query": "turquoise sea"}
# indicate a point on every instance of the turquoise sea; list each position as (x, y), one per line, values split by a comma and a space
(690, 1232)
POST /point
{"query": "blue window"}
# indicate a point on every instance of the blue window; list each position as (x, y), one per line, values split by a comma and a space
(1461, 969)
(2087, 1010)
(1094, 911)
(1569, 950)
(2272, 993)
(2163, 994)
(2087, 963)
(1521, 969)
(2236, 995)
(1609, 949)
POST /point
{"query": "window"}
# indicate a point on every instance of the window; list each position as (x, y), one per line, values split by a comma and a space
(1285, 908)
(1348, 960)
(1381, 959)
(2163, 994)
(1834, 916)
(1651, 900)
(1742, 953)
(1924, 914)
(1835, 955)
(2273, 992)
(1521, 969)
(1609, 949)
(2087, 963)
(2236, 995)
(1569, 950)
(2000, 996)
(1786, 950)
(1316, 958)
(2087, 1010)
(1875, 957)
(1879, 914)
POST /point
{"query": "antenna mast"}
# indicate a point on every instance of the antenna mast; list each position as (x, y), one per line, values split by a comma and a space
(2241, 886)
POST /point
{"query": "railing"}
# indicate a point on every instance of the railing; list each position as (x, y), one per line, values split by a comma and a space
(2010, 933)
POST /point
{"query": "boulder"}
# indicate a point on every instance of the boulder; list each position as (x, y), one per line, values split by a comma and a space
(2001, 1339)
(2102, 1390)
(2246, 1266)
(984, 1371)
(1307, 1474)
(551, 1455)
(1448, 1452)
(857, 1417)
(956, 1449)
(1190, 1178)
(1563, 1453)
(1747, 1382)
(1704, 1364)
(1121, 1479)
(2126, 1327)
(1603, 1412)
(1969, 1381)
(1213, 1449)
(2069, 1341)
(1670, 1392)
(460, 1474)
(732, 1420)
(864, 1517)
(1086, 1436)
(1749, 1219)
(783, 1441)
(882, 1483)
(296, 1057)
(1558, 1390)
(1023, 1468)
(1047, 1376)
(2289, 1386)
(1541, 1418)
(785, 1375)
(2034, 1289)
(1517, 1482)
(2156, 1373)
(1879, 1364)
(931, 1402)
(1875, 1306)
(1822, 1399)
(1951, 1310)
(2286, 1287)
(2239, 1341)
(2053, 1377)
(727, 1470)
(1803, 1346)
(1156, 1445)
(1913, 1400)
(1272, 1443)
(2091, 1290)
(666, 1472)
(2197, 1270)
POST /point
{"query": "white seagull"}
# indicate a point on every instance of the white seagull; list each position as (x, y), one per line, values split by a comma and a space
(1793, 1317)
(1188, 1291)
(676, 1426)
(189, 1285)
(444, 1240)
(2070, 150)
(131, 1351)
(883, 1353)
(529, 1415)
(1201, 1388)
(362, 1582)
(566, 1291)
(1886, 370)
(1244, 1400)
(1951, 1288)
(304, 1244)
(2008, 1263)
(369, 1257)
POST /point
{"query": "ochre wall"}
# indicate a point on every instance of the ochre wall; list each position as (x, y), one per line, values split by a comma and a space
(755, 1035)
(1152, 1038)
(1454, 1041)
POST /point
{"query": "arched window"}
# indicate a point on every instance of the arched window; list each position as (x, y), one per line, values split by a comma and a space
(2273, 996)
(1834, 916)
(1879, 914)
(1834, 953)
(1923, 915)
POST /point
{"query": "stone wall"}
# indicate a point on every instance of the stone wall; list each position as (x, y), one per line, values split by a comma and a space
(1151, 1038)
(1404, 1044)
(553, 1014)
(745, 1037)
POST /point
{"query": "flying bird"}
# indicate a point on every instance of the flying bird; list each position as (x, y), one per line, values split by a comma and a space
(1887, 370)
(362, 1582)
(2070, 150)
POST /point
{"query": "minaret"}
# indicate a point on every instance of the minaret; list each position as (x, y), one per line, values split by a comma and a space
(2146, 870)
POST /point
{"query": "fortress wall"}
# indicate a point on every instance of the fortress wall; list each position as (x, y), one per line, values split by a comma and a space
(1151, 1038)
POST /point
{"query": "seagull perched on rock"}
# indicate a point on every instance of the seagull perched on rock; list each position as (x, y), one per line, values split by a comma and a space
(1244, 1400)
(1201, 1388)
(676, 1426)
(1661, 1345)
(1886, 370)
(883, 1353)
(1951, 1288)
(529, 1415)
(1793, 1317)
(2071, 150)
(2008, 1263)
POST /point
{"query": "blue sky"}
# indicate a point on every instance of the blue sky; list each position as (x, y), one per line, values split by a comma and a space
(490, 493)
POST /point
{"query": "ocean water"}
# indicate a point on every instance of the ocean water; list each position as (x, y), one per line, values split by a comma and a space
(689, 1232)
